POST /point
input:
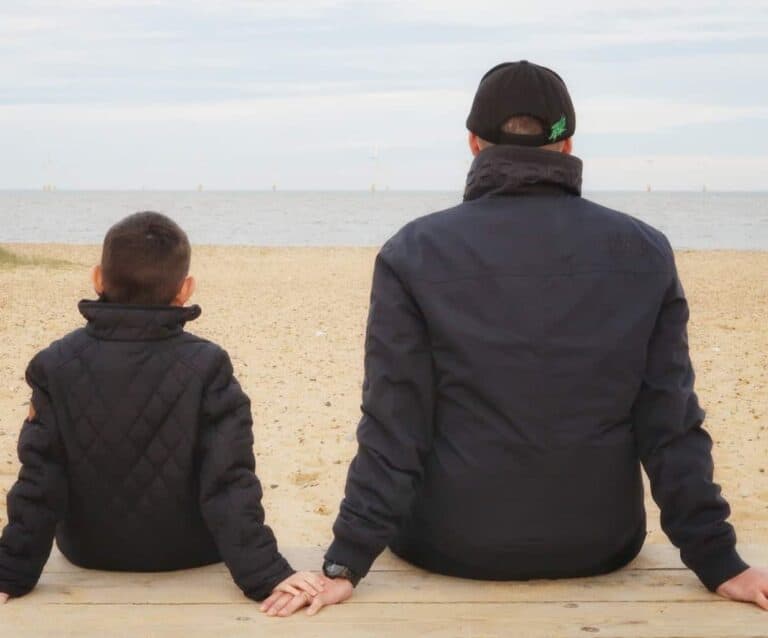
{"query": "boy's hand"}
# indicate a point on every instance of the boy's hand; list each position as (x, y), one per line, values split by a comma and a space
(751, 586)
(335, 591)
(299, 582)
(302, 586)
(3, 598)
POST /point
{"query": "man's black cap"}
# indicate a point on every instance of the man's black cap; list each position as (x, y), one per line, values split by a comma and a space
(522, 88)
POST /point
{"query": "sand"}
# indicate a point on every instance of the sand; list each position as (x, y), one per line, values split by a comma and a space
(293, 321)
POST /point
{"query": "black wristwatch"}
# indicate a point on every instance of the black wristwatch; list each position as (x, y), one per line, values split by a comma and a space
(334, 571)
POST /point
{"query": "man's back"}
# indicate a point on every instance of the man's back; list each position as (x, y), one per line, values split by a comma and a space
(526, 350)
(539, 310)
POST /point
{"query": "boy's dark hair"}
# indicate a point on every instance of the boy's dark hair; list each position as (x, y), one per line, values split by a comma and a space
(144, 260)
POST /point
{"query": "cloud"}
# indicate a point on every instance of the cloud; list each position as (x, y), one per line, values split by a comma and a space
(556, 13)
(386, 111)
(334, 78)
(640, 115)
(676, 172)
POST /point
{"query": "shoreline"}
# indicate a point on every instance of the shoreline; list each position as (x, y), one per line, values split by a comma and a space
(60, 247)
(293, 320)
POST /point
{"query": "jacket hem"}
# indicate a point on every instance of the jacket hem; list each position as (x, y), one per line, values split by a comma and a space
(718, 567)
(428, 558)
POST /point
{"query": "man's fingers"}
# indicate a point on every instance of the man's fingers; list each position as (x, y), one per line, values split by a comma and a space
(761, 600)
(317, 605)
(286, 588)
(302, 600)
(3, 598)
(725, 593)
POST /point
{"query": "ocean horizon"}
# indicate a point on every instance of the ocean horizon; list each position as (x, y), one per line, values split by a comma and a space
(733, 220)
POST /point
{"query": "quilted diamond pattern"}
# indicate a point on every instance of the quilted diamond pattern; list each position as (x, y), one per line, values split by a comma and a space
(143, 458)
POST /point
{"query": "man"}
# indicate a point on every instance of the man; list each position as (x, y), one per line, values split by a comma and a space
(526, 352)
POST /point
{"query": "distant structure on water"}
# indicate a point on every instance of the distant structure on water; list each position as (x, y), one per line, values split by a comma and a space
(375, 157)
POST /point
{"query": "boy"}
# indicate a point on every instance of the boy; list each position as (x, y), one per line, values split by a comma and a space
(137, 452)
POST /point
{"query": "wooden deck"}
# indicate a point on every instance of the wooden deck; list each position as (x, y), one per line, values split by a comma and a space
(653, 597)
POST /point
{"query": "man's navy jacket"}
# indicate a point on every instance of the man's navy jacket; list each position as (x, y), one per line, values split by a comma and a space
(526, 351)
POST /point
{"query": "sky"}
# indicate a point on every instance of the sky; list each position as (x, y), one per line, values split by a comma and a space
(334, 94)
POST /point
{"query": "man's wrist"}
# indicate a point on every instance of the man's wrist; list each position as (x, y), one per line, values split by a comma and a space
(717, 567)
(357, 557)
(336, 571)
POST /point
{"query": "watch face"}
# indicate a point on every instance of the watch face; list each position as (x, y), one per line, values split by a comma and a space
(332, 570)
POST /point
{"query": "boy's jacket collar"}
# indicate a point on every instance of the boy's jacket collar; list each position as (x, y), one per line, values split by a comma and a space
(119, 322)
(519, 170)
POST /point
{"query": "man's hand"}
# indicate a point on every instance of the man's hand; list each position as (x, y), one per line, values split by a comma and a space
(337, 590)
(282, 604)
(3, 598)
(751, 586)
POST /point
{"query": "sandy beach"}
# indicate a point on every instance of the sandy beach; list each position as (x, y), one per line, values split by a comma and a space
(293, 321)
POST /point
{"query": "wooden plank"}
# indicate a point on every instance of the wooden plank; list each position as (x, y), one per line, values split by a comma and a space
(490, 620)
(214, 586)
(653, 556)
(667, 556)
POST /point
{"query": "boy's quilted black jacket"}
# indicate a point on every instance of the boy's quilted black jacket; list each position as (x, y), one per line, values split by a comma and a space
(139, 456)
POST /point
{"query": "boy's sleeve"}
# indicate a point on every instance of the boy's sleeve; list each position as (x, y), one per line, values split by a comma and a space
(38, 499)
(230, 492)
(395, 432)
(676, 451)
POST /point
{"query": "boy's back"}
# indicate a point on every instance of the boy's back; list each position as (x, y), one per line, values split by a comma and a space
(138, 450)
(131, 395)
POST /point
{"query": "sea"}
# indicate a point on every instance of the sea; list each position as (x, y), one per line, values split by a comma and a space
(693, 220)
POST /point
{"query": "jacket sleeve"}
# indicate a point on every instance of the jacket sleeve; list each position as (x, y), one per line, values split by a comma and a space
(230, 492)
(395, 432)
(38, 499)
(676, 451)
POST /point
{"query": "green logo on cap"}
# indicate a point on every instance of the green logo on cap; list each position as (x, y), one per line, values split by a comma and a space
(558, 128)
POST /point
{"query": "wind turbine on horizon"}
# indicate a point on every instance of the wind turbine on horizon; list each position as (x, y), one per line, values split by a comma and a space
(375, 157)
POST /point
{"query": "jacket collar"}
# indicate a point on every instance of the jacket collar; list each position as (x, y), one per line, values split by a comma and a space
(119, 322)
(522, 170)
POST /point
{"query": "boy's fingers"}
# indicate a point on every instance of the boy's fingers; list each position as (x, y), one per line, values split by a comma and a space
(317, 605)
(287, 588)
(307, 587)
(270, 601)
(761, 600)
(3, 598)
(315, 581)
(296, 603)
(279, 604)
